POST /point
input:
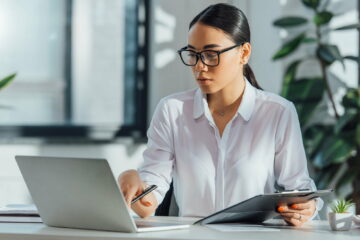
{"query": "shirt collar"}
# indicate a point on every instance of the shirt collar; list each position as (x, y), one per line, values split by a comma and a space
(199, 105)
(245, 109)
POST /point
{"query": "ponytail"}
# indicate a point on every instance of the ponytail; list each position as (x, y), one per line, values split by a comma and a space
(248, 73)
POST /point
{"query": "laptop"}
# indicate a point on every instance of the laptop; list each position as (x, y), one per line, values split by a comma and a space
(81, 193)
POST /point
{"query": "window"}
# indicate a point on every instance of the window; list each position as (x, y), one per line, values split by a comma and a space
(81, 67)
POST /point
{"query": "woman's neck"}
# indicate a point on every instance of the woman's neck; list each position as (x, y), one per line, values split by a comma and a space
(228, 96)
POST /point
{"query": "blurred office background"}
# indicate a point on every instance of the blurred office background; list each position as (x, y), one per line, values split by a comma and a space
(90, 72)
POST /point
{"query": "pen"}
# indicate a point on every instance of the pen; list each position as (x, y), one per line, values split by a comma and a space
(146, 191)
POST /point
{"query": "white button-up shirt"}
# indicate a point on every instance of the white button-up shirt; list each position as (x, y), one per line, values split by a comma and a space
(260, 147)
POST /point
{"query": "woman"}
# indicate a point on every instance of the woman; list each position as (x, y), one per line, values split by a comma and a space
(227, 140)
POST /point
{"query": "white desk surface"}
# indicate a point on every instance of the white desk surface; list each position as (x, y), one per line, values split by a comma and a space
(316, 230)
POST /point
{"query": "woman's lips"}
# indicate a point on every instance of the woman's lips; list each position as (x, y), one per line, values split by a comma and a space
(204, 80)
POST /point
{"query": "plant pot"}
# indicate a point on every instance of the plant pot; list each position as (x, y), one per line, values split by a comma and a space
(340, 221)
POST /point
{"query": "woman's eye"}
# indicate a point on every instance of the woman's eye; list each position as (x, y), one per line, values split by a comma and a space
(210, 55)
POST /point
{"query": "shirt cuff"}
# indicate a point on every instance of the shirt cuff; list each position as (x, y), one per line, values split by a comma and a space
(319, 205)
(148, 180)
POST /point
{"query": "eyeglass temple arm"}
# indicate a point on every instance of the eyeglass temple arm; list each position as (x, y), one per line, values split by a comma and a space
(183, 48)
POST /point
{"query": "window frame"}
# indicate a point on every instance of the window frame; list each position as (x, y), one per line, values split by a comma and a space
(139, 95)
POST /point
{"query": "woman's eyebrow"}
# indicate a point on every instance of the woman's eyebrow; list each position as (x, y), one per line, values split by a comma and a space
(205, 47)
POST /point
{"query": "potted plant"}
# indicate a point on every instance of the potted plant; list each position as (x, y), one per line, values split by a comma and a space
(340, 219)
(332, 146)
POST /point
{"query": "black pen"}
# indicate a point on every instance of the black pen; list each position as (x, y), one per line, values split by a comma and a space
(146, 191)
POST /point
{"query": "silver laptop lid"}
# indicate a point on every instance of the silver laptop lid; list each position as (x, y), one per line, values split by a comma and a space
(76, 193)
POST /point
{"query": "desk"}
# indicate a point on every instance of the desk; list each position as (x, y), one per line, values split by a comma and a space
(316, 230)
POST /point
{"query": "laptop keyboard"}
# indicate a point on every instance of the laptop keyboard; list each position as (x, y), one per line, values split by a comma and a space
(154, 224)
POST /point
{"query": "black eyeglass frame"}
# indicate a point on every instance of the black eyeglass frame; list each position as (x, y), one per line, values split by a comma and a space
(198, 54)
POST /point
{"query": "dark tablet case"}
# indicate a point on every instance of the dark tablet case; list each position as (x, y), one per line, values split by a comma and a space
(261, 207)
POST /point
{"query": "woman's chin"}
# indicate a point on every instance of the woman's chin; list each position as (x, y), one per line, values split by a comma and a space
(207, 89)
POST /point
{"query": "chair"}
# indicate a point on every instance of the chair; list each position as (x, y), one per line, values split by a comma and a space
(168, 207)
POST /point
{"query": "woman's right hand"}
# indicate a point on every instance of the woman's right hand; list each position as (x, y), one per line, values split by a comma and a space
(131, 186)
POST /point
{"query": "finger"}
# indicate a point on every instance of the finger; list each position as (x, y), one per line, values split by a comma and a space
(282, 208)
(288, 215)
(287, 220)
(302, 206)
(307, 212)
(293, 221)
(145, 202)
(296, 219)
(126, 186)
(301, 217)
(130, 195)
(292, 215)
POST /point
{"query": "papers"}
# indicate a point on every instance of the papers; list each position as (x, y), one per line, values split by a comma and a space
(19, 210)
(20, 213)
(237, 227)
(12, 219)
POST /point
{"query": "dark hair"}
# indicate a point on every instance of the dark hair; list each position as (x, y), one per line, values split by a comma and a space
(233, 22)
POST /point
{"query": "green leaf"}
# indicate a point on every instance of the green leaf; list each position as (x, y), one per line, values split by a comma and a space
(5, 81)
(341, 206)
(335, 150)
(352, 98)
(289, 76)
(329, 54)
(349, 116)
(305, 89)
(358, 134)
(352, 58)
(289, 47)
(346, 178)
(309, 40)
(348, 27)
(325, 176)
(290, 22)
(306, 94)
(314, 137)
(311, 3)
(322, 18)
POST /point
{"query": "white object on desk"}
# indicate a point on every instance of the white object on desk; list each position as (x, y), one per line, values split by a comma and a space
(19, 213)
(356, 219)
(18, 210)
(340, 221)
(17, 219)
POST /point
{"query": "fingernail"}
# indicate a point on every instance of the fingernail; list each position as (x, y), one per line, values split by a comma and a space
(294, 206)
(148, 204)
(280, 209)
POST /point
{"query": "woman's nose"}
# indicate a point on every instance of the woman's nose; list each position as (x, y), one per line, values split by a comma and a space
(200, 66)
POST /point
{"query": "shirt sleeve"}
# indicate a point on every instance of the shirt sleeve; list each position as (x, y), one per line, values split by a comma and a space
(290, 159)
(159, 155)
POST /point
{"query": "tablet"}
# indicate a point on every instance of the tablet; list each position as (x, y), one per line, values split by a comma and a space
(261, 207)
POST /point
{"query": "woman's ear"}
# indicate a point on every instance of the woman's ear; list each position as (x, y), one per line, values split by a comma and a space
(246, 52)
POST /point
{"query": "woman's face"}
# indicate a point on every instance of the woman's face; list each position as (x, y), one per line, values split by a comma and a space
(213, 79)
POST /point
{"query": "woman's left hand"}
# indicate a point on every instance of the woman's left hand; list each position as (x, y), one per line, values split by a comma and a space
(297, 214)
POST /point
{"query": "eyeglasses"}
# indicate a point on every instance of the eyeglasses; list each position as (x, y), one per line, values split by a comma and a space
(210, 58)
